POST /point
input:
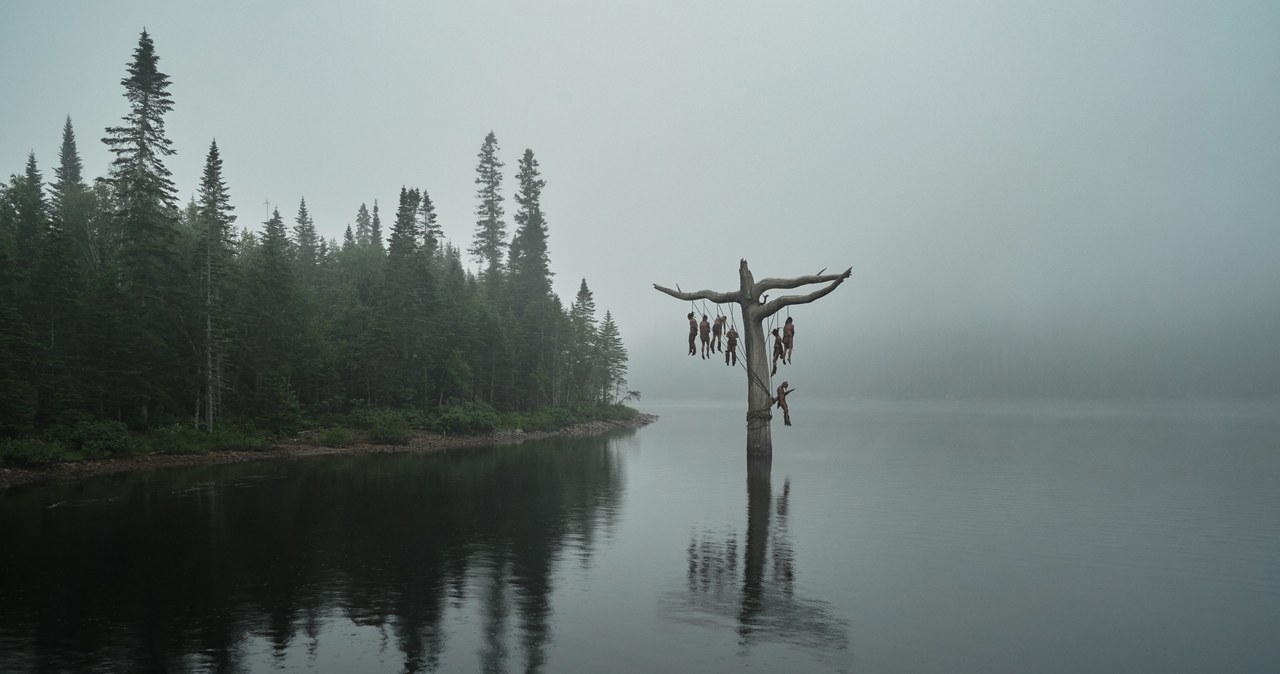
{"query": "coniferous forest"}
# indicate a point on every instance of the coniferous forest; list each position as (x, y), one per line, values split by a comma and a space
(127, 317)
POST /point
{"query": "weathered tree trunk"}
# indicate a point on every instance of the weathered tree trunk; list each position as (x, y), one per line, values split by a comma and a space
(759, 392)
(759, 510)
(750, 297)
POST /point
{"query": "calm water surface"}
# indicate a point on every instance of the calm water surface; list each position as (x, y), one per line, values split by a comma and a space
(891, 537)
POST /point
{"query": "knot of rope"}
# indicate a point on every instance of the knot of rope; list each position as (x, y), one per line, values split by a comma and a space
(759, 418)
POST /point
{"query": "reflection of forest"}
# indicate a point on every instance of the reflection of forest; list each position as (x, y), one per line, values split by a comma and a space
(140, 572)
(754, 586)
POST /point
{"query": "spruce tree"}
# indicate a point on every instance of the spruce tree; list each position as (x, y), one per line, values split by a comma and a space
(491, 231)
(69, 196)
(529, 264)
(305, 241)
(147, 198)
(269, 331)
(375, 229)
(529, 296)
(18, 346)
(72, 204)
(613, 360)
(30, 211)
(432, 234)
(582, 347)
(364, 226)
(215, 212)
(59, 278)
(146, 229)
(405, 231)
(405, 302)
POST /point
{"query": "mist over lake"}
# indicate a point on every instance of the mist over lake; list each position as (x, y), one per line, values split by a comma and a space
(1036, 428)
(891, 536)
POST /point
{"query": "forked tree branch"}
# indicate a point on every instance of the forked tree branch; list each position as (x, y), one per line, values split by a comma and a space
(765, 285)
(787, 300)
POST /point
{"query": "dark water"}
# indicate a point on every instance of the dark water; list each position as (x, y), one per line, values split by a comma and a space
(891, 537)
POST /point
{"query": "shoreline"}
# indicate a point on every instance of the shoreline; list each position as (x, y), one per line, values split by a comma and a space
(422, 441)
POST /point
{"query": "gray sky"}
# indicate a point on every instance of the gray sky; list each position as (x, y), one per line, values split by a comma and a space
(1050, 193)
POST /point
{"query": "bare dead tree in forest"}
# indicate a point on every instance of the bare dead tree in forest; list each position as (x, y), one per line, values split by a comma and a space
(750, 296)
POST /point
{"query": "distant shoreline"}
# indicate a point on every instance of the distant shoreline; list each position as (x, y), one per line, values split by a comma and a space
(421, 442)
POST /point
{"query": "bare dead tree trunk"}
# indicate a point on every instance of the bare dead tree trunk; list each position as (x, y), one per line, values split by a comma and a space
(750, 297)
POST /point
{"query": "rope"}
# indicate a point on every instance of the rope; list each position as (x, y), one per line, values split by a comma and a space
(761, 417)
(757, 418)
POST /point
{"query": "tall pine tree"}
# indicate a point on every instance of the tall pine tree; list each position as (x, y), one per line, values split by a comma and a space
(613, 360)
(583, 351)
(535, 309)
(146, 219)
(216, 214)
(147, 198)
(60, 280)
(306, 242)
(432, 234)
(491, 230)
(30, 211)
(529, 263)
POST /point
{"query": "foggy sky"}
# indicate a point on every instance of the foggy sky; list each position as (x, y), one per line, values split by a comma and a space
(1036, 198)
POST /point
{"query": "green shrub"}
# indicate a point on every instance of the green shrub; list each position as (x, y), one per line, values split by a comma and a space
(93, 438)
(226, 437)
(276, 407)
(336, 436)
(364, 417)
(465, 419)
(32, 452)
(183, 439)
(389, 428)
(509, 421)
(175, 439)
(548, 419)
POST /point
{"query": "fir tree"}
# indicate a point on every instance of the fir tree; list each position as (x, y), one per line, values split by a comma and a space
(375, 229)
(407, 293)
(432, 233)
(613, 360)
(18, 346)
(145, 245)
(583, 350)
(491, 231)
(364, 226)
(26, 197)
(405, 232)
(305, 240)
(67, 192)
(215, 212)
(269, 330)
(147, 198)
(529, 264)
(60, 280)
(73, 205)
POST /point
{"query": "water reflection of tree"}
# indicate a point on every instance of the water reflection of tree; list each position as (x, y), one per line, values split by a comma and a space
(391, 542)
(755, 587)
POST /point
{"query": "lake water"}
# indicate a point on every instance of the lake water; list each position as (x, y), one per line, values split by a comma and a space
(891, 537)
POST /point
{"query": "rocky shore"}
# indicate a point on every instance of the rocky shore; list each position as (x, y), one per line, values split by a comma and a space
(301, 447)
